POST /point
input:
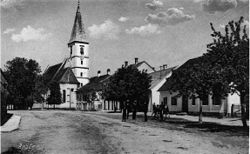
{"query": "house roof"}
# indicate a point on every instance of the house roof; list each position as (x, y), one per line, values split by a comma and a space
(60, 74)
(78, 31)
(170, 81)
(95, 84)
(143, 62)
(158, 76)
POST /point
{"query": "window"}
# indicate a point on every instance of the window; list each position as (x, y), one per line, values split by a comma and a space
(81, 73)
(193, 100)
(173, 101)
(205, 100)
(81, 84)
(72, 89)
(216, 100)
(81, 50)
(165, 100)
(70, 50)
(64, 95)
(81, 62)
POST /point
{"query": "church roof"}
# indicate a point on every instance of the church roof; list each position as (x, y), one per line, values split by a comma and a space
(60, 74)
(78, 31)
(95, 84)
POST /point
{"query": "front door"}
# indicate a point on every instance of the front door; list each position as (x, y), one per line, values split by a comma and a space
(184, 103)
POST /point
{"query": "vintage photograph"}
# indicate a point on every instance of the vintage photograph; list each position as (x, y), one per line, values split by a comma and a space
(124, 76)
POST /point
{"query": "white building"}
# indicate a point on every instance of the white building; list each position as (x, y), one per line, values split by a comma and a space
(158, 78)
(212, 105)
(73, 72)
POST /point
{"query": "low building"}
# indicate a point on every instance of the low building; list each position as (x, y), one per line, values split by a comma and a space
(158, 78)
(89, 97)
(214, 105)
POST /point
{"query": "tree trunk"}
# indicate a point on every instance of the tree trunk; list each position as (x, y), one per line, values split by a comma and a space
(243, 112)
(145, 116)
(124, 112)
(200, 113)
(134, 114)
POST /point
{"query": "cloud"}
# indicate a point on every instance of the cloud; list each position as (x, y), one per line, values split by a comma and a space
(9, 30)
(173, 16)
(212, 6)
(106, 30)
(123, 19)
(28, 33)
(10, 3)
(144, 30)
(155, 4)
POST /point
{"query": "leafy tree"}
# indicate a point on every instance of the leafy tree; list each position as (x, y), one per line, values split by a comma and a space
(229, 53)
(193, 80)
(41, 89)
(55, 94)
(21, 75)
(127, 85)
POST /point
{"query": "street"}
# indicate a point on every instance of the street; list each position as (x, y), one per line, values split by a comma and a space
(68, 132)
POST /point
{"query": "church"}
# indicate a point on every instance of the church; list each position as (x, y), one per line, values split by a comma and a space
(73, 72)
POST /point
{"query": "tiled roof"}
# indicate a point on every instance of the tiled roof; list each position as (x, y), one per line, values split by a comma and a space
(170, 81)
(157, 76)
(78, 32)
(143, 62)
(95, 84)
(60, 74)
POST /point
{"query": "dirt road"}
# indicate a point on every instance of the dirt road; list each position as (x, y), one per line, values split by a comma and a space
(67, 132)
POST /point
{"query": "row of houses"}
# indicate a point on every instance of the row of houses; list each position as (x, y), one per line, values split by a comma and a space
(160, 93)
(79, 91)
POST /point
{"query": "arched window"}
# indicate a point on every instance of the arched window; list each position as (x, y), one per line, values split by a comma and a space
(81, 62)
(81, 73)
(64, 96)
(70, 50)
(81, 50)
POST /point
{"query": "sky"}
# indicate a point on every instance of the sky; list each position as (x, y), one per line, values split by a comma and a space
(157, 31)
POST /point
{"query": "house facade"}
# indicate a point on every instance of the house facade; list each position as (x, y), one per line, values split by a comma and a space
(158, 78)
(214, 104)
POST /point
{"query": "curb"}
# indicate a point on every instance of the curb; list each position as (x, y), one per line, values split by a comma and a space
(11, 125)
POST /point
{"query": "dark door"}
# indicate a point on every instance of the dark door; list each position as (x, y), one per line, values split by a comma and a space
(184, 103)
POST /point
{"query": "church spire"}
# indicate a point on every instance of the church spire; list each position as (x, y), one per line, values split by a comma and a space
(78, 31)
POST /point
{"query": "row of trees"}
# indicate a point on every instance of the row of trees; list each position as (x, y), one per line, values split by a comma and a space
(223, 69)
(26, 85)
(130, 87)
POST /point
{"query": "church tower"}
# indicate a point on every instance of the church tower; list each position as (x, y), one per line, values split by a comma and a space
(79, 50)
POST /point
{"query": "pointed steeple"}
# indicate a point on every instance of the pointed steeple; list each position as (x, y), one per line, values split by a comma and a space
(78, 31)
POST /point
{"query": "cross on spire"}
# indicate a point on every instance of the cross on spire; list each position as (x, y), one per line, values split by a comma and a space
(78, 32)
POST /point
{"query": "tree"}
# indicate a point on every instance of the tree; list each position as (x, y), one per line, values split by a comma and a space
(55, 94)
(127, 85)
(21, 75)
(193, 79)
(41, 89)
(229, 53)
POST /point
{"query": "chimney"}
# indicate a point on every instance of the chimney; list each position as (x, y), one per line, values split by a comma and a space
(99, 73)
(161, 68)
(136, 60)
(165, 66)
(108, 71)
(126, 63)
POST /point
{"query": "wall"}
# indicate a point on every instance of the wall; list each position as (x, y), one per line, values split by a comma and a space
(172, 108)
(67, 87)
